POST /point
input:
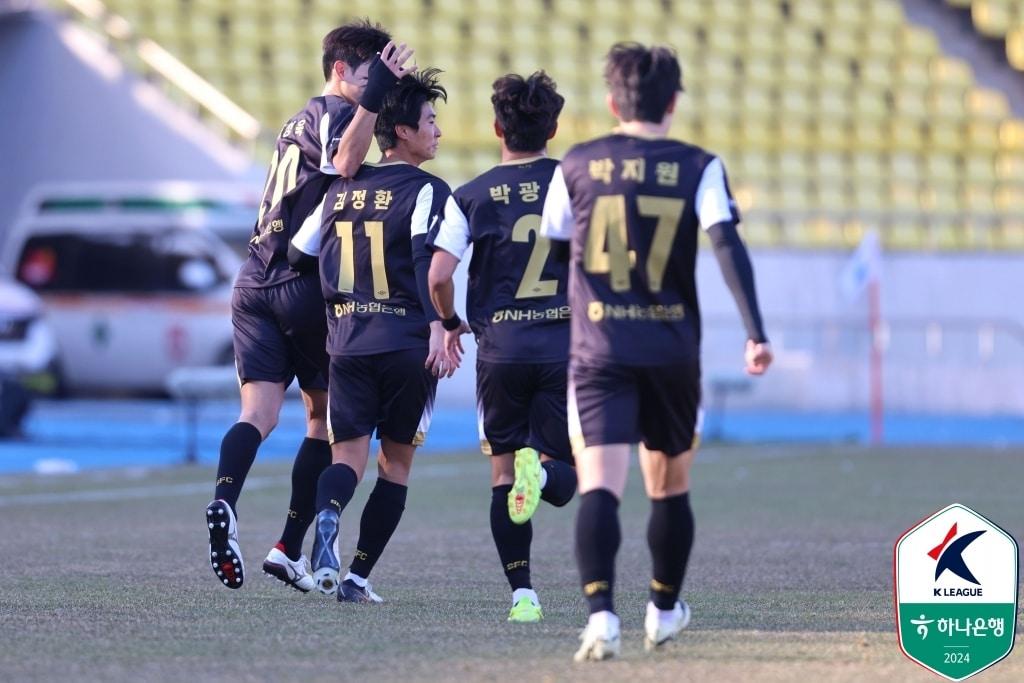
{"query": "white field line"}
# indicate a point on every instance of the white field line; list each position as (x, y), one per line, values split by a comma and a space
(423, 471)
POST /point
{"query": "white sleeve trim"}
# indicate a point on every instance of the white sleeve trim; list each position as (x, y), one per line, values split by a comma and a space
(453, 235)
(557, 221)
(713, 203)
(326, 162)
(307, 239)
(421, 218)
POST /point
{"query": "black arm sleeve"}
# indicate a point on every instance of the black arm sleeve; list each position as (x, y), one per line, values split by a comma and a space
(560, 251)
(300, 261)
(739, 275)
(421, 265)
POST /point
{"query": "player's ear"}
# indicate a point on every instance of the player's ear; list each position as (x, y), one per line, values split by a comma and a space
(671, 108)
(612, 107)
(498, 130)
(554, 129)
(339, 69)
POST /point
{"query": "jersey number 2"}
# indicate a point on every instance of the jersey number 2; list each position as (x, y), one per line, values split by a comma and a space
(347, 273)
(531, 285)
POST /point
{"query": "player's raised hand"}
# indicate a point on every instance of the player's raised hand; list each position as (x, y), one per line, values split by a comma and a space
(394, 58)
(758, 357)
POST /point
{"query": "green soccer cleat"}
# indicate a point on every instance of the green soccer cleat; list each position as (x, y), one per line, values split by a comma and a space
(526, 611)
(524, 497)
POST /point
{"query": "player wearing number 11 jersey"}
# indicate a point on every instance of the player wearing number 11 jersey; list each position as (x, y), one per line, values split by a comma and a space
(633, 205)
(384, 338)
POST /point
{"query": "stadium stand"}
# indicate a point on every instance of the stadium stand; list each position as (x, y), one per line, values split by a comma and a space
(833, 116)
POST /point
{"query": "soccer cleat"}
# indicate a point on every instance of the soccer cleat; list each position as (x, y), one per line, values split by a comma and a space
(525, 494)
(662, 626)
(350, 591)
(600, 639)
(293, 573)
(526, 611)
(225, 557)
(325, 552)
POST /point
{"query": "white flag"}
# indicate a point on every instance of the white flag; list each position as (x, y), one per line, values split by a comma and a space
(864, 266)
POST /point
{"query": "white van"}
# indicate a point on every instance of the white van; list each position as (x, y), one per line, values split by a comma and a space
(134, 277)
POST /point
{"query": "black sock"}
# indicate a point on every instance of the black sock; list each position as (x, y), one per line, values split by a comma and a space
(512, 540)
(335, 487)
(237, 453)
(597, 542)
(313, 458)
(561, 483)
(380, 518)
(670, 537)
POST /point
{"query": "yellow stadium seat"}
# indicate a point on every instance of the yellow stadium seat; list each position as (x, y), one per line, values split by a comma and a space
(940, 199)
(830, 166)
(870, 104)
(945, 136)
(883, 42)
(876, 71)
(871, 194)
(905, 165)
(950, 71)
(902, 234)
(977, 198)
(946, 103)
(917, 42)
(979, 232)
(1011, 135)
(869, 135)
(847, 15)
(1009, 197)
(885, 13)
(796, 71)
(1015, 48)
(992, 18)
(760, 231)
(1011, 233)
(942, 168)
(905, 134)
(832, 133)
(945, 233)
(1010, 166)
(912, 71)
(903, 196)
(831, 102)
(983, 136)
(979, 169)
(910, 103)
(987, 104)
(809, 13)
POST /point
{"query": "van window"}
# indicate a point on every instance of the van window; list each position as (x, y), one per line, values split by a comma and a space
(168, 261)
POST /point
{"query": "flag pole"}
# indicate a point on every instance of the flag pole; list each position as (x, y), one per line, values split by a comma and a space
(875, 326)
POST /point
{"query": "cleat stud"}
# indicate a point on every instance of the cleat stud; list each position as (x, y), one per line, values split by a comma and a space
(223, 524)
(229, 553)
(235, 560)
(213, 554)
(211, 525)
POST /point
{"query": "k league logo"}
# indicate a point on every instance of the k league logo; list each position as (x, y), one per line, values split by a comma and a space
(956, 592)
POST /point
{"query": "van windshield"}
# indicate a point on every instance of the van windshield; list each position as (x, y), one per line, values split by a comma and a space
(166, 261)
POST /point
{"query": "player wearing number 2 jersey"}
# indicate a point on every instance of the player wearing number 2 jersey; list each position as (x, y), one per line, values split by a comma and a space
(279, 327)
(633, 204)
(517, 308)
(384, 339)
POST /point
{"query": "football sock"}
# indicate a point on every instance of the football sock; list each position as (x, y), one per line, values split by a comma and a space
(313, 458)
(511, 540)
(237, 453)
(561, 482)
(380, 518)
(597, 542)
(335, 487)
(670, 537)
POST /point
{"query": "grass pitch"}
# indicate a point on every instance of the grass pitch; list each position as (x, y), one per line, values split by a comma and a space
(105, 576)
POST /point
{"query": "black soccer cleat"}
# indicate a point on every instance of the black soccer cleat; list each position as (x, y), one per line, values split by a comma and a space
(350, 591)
(225, 557)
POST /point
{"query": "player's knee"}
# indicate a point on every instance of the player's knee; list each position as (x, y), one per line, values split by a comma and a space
(263, 421)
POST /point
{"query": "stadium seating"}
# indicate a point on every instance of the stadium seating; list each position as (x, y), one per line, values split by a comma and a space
(833, 116)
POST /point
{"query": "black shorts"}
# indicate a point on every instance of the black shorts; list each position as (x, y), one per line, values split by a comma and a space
(391, 393)
(523, 404)
(280, 332)
(613, 404)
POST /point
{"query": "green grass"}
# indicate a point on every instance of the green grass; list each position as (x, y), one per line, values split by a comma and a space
(790, 578)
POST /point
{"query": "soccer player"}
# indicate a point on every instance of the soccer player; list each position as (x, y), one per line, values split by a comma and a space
(632, 204)
(384, 339)
(516, 304)
(277, 311)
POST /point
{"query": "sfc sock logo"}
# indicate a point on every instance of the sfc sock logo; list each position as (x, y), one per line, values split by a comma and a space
(956, 592)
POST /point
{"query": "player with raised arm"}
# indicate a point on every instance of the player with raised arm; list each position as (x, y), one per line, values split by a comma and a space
(516, 305)
(384, 339)
(632, 204)
(277, 311)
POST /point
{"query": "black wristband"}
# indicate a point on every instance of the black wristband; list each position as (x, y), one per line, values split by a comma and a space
(379, 81)
(453, 323)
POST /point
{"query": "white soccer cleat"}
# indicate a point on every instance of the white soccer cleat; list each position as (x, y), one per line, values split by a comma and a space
(225, 557)
(661, 626)
(600, 638)
(293, 573)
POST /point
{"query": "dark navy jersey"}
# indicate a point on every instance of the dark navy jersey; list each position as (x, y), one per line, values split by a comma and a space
(374, 259)
(632, 208)
(516, 296)
(300, 172)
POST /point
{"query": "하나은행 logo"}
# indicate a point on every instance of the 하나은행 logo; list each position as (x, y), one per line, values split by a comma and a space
(956, 593)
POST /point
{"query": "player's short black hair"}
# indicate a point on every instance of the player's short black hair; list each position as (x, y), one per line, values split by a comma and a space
(642, 80)
(353, 43)
(404, 104)
(527, 110)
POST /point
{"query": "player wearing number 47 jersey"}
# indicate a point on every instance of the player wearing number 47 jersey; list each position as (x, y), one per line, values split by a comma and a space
(632, 205)
(384, 339)
(276, 310)
(516, 305)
